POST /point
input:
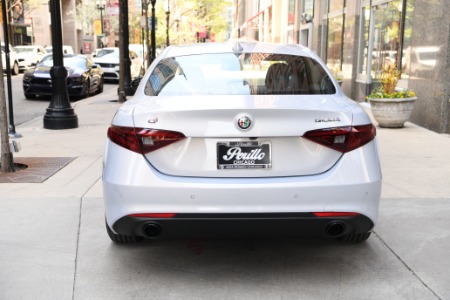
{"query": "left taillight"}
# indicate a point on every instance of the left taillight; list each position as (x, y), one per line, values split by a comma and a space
(343, 139)
(143, 140)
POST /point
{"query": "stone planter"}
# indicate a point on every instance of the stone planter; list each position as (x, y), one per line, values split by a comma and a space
(392, 113)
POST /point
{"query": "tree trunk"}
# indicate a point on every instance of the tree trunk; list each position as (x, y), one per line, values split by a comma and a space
(7, 161)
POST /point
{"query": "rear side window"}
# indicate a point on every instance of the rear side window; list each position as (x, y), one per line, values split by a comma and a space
(244, 74)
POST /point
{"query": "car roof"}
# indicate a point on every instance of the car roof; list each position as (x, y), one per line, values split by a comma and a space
(237, 47)
(68, 55)
(64, 46)
(28, 46)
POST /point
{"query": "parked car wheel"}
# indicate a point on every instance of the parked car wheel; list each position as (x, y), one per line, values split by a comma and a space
(100, 86)
(30, 96)
(121, 238)
(87, 89)
(15, 69)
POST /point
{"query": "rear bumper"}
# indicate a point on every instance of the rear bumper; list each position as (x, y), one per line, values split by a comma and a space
(240, 206)
(243, 225)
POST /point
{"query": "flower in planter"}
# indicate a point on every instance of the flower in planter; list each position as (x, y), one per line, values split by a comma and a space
(387, 88)
(337, 74)
(390, 106)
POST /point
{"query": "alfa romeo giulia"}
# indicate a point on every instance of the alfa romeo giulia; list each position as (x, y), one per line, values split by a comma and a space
(240, 139)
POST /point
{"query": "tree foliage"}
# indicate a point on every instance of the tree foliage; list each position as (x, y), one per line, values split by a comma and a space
(187, 18)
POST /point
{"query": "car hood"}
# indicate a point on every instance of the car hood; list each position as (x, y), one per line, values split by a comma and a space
(26, 55)
(44, 72)
(107, 59)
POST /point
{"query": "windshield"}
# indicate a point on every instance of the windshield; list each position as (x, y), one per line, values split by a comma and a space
(430, 55)
(109, 52)
(24, 50)
(74, 62)
(245, 74)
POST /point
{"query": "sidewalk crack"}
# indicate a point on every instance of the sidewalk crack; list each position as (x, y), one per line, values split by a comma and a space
(407, 266)
(76, 250)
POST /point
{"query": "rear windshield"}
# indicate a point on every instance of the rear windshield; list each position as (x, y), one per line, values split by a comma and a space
(105, 52)
(244, 74)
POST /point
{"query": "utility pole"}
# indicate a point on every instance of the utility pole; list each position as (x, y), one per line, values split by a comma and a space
(12, 128)
(153, 31)
(125, 88)
(60, 114)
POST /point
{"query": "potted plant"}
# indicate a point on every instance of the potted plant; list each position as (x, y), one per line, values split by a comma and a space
(337, 73)
(391, 107)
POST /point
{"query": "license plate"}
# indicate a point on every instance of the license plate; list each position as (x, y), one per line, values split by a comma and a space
(244, 155)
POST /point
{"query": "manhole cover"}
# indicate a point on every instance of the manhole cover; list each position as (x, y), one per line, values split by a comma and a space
(38, 169)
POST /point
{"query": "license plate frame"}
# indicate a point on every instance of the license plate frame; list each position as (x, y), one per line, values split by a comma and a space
(244, 155)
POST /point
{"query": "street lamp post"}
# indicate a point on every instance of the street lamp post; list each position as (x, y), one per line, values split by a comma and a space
(101, 4)
(167, 22)
(60, 114)
(125, 88)
(153, 36)
(12, 128)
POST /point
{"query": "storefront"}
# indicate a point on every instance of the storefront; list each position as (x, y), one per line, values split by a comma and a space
(357, 39)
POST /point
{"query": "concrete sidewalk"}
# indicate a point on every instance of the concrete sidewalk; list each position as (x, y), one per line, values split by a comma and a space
(53, 242)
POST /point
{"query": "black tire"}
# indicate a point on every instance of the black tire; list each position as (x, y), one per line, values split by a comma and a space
(121, 238)
(87, 90)
(15, 68)
(100, 86)
(30, 96)
(355, 237)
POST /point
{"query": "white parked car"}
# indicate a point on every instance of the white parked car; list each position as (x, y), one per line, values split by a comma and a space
(246, 139)
(109, 59)
(29, 56)
(13, 62)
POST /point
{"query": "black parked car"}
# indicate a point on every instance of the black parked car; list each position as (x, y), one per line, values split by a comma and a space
(83, 77)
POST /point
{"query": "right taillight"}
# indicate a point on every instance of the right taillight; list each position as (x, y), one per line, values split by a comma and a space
(142, 140)
(343, 139)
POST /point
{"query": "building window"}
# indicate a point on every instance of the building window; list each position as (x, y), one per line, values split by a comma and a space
(291, 12)
(333, 34)
(380, 40)
(364, 42)
(335, 5)
(334, 47)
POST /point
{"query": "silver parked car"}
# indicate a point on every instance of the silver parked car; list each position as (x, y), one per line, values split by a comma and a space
(245, 139)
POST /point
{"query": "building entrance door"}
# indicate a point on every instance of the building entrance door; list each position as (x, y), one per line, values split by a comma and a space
(305, 35)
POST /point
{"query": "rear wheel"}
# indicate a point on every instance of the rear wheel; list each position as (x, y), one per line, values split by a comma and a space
(15, 68)
(121, 238)
(30, 96)
(87, 90)
(100, 86)
(355, 237)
